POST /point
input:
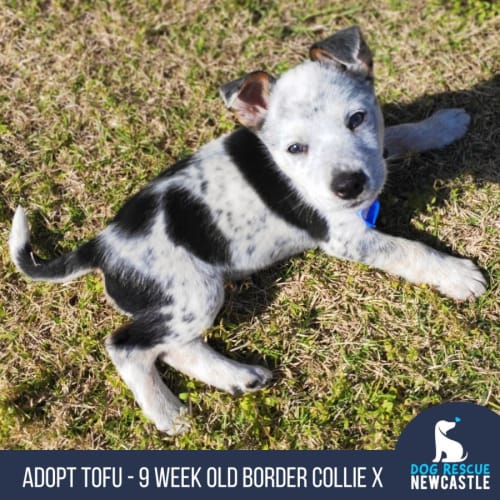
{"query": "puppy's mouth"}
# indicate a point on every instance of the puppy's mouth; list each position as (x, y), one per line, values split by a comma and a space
(357, 203)
(363, 202)
(365, 199)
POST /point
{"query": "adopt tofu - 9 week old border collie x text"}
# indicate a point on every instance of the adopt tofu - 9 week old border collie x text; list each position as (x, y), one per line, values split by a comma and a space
(307, 162)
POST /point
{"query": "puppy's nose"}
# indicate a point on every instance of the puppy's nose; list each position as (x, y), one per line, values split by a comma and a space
(348, 185)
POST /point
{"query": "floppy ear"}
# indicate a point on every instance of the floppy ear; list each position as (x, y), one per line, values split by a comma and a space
(347, 49)
(249, 96)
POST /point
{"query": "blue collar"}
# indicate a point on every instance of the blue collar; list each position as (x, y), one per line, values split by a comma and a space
(370, 214)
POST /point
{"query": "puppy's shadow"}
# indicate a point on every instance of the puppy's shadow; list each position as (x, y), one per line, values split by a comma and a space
(246, 299)
(418, 181)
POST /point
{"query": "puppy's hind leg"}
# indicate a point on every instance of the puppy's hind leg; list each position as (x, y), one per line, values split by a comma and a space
(134, 349)
(440, 129)
(197, 359)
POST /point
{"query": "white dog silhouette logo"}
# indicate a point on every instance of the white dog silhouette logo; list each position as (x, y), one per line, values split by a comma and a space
(453, 450)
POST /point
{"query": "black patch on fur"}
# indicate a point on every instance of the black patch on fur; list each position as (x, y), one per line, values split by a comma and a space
(134, 294)
(176, 167)
(137, 215)
(85, 257)
(190, 225)
(138, 212)
(255, 163)
(144, 332)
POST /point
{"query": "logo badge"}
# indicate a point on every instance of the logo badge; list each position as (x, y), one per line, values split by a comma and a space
(461, 456)
(447, 449)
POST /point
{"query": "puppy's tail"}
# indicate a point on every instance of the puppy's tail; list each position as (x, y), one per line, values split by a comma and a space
(61, 269)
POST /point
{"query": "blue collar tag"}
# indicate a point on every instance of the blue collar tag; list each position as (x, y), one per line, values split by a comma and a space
(370, 214)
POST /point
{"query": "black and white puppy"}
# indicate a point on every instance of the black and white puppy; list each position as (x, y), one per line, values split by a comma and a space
(308, 162)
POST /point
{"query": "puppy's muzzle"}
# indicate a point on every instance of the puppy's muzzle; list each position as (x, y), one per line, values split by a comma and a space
(348, 185)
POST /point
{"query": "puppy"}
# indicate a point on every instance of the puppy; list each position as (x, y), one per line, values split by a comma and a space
(303, 172)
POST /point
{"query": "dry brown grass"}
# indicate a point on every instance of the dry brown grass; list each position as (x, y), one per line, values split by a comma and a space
(96, 98)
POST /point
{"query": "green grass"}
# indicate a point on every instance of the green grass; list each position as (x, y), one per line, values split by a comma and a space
(96, 98)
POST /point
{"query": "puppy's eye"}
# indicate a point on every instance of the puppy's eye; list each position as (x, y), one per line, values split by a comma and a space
(297, 148)
(355, 120)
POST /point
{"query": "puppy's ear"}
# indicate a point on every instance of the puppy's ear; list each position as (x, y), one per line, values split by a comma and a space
(249, 96)
(347, 49)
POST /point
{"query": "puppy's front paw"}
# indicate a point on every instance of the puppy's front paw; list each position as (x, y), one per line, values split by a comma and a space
(255, 378)
(260, 379)
(449, 125)
(461, 279)
(173, 421)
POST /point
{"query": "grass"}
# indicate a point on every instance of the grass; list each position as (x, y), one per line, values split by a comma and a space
(96, 98)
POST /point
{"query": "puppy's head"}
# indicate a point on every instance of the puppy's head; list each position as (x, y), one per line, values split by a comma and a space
(320, 121)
